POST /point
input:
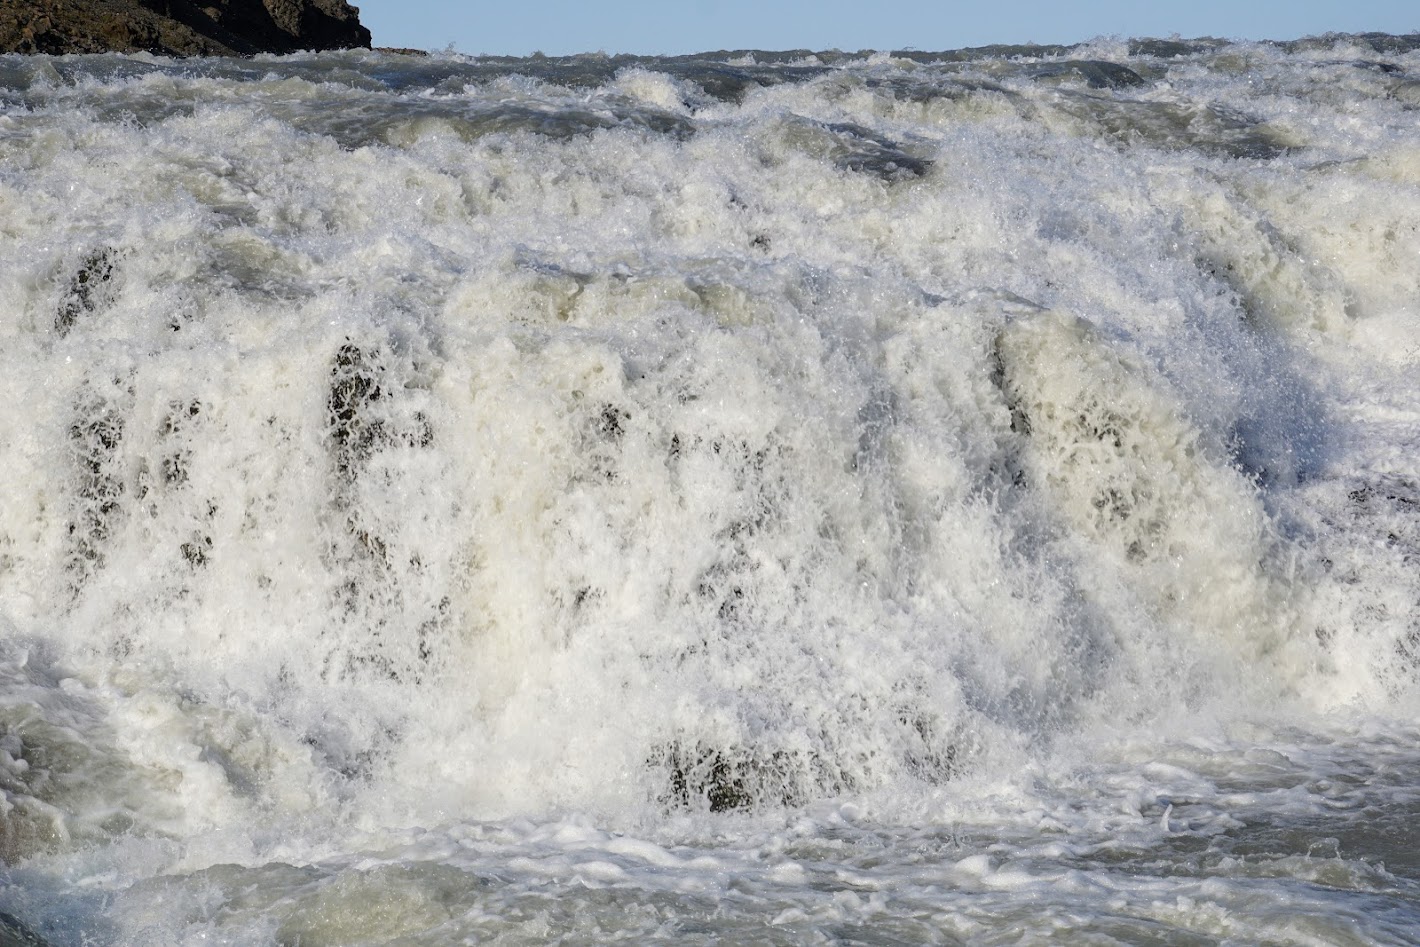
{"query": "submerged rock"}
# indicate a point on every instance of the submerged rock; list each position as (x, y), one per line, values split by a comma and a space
(180, 27)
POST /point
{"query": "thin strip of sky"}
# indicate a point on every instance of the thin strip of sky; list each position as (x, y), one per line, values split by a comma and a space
(559, 27)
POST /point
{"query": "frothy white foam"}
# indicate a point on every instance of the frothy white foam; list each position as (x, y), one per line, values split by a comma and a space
(781, 464)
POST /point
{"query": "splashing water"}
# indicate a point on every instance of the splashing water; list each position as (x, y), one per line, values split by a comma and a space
(962, 497)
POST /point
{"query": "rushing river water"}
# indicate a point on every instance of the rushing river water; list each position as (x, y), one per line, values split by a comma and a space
(750, 498)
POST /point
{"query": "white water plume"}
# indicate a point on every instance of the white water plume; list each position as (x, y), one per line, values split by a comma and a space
(436, 484)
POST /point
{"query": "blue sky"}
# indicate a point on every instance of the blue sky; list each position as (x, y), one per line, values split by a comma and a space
(679, 26)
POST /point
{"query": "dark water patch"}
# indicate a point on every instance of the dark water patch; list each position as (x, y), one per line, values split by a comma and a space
(979, 53)
(1175, 48)
(111, 67)
(15, 934)
(726, 76)
(1396, 500)
(573, 72)
(95, 435)
(1387, 511)
(1385, 43)
(932, 751)
(562, 124)
(163, 480)
(854, 148)
(733, 83)
(380, 585)
(811, 60)
(910, 88)
(89, 289)
(870, 153)
(1214, 130)
(1367, 65)
(1096, 74)
(395, 123)
(726, 778)
(729, 77)
(1365, 842)
(174, 466)
(63, 780)
(354, 387)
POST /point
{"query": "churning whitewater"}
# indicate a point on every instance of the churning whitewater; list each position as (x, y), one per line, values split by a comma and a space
(747, 498)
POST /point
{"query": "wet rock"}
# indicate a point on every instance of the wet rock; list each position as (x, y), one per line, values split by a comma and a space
(180, 27)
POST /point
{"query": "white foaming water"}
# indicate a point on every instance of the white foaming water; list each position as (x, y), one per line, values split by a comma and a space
(765, 499)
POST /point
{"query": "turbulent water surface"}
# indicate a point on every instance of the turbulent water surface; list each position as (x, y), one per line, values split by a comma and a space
(750, 498)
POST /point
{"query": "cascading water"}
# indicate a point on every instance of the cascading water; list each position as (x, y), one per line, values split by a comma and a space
(960, 497)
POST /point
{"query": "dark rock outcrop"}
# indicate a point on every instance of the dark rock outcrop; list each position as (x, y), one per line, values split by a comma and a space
(179, 27)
